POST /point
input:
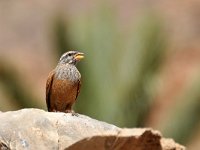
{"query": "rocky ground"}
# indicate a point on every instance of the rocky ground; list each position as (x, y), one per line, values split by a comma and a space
(36, 129)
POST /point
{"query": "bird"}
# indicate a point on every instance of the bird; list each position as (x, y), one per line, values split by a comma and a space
(64, 83)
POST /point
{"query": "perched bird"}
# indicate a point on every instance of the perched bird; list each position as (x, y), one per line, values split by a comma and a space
(63, 83)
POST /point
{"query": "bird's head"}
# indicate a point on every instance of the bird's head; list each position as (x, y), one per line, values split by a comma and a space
(71, 57)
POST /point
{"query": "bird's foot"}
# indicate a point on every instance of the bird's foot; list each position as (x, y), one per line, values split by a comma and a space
(75, 114)
(72, 112)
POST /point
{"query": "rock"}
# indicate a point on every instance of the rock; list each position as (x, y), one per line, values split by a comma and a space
(32, 129)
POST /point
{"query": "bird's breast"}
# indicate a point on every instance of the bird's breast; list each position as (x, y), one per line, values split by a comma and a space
(67, 72)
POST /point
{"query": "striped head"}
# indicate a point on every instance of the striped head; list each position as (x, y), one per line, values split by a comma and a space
(71, 57)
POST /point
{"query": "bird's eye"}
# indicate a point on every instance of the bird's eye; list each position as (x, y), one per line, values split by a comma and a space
(69, 54)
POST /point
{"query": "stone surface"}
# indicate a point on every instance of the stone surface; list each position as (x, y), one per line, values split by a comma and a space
(32, 129)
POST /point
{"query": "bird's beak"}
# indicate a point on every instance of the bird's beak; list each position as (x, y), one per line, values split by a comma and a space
(79, 56)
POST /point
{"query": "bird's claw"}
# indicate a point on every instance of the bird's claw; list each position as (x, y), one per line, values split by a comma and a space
(72, 112)
(75, 114)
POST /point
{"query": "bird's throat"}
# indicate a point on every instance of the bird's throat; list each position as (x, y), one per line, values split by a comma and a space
(67, 71)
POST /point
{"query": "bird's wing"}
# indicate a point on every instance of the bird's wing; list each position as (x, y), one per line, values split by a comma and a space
(78, 88)
(48, 88)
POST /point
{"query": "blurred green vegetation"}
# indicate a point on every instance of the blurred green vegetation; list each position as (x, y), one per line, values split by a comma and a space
(13, 85)
(118, 72)
(183, 119)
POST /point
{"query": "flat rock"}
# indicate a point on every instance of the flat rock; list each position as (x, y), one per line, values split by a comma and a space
(32, 129)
